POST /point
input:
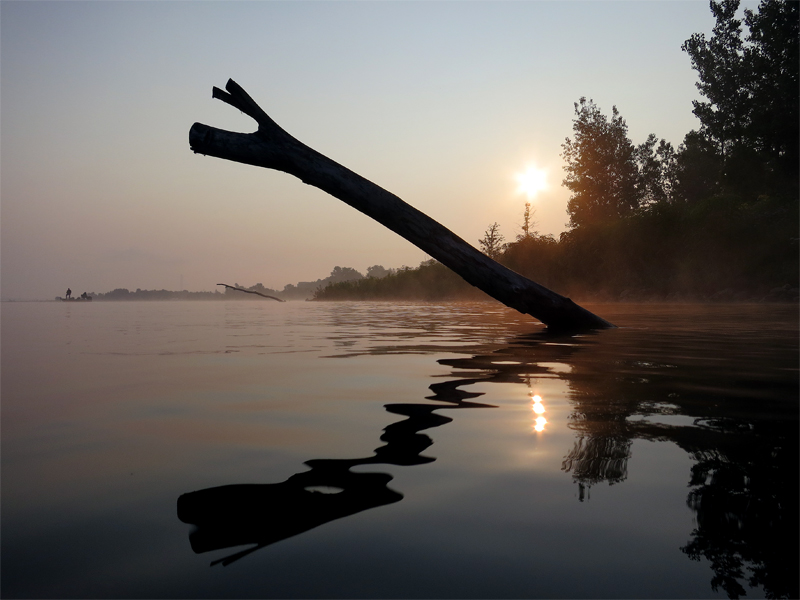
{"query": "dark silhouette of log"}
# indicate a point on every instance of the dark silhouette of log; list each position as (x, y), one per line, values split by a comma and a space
(238, 289)
(271, 147)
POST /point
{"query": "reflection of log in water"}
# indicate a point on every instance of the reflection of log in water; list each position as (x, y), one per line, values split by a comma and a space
(262, 514)
(236, 515)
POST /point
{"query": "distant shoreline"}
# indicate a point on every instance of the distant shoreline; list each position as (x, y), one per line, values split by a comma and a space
(719, 298)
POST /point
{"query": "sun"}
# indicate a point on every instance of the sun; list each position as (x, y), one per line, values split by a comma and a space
(532, 181)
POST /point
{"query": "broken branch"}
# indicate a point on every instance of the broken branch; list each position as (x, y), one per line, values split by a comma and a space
(238, 289)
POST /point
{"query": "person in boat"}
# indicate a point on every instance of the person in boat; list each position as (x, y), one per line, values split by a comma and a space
(85, 296)
(69, 293)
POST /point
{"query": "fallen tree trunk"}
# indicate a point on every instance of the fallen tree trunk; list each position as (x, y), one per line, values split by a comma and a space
(271, 147)
(238, 289)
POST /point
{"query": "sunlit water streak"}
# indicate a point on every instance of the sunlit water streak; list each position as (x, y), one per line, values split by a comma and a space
(671, 438)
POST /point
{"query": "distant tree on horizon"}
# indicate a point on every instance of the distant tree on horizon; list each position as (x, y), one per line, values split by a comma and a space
(378, 271)
(528, 224)
(343, 274)
(492, 242)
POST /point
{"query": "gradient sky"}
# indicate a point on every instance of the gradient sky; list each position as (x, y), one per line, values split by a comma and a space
(441, 103)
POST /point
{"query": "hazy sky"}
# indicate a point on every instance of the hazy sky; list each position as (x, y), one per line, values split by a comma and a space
(441, 103)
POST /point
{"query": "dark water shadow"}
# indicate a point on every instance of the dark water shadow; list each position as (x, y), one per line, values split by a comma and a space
(263, 514)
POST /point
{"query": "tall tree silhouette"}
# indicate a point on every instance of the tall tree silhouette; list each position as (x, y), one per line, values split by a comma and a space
(750, 114)
(773, 59)
(656, 161)
(719, 64)
(601, 166)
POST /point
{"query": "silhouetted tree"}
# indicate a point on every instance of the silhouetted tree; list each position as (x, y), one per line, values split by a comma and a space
(751, 88)
(492, 243)
(535, 256)
(657, 162)
(528, 223)
(719, 64)
(601, 166)
(698, 169)
(773, 60)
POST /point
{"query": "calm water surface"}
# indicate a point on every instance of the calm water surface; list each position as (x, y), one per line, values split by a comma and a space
(258, 449)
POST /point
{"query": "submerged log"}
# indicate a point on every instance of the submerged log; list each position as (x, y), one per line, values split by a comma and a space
(273, 148)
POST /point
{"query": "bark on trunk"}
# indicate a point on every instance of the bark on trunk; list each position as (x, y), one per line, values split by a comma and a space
(271, 147)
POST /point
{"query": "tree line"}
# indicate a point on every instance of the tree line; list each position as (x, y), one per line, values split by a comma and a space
(714, 218)
(301, 291)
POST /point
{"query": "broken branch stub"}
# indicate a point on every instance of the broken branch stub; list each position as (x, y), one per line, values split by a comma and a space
(238, 289)
(271, 147)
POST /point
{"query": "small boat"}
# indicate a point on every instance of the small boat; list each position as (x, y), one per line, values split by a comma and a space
(78, 299)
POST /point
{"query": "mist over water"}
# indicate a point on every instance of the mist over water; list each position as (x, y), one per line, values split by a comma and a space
(259, 449)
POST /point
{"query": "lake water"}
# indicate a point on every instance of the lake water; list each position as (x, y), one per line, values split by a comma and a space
(258, 449)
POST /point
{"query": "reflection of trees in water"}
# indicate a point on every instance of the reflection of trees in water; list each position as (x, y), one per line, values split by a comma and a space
(743, 439)
(744, 495)
(594, 459)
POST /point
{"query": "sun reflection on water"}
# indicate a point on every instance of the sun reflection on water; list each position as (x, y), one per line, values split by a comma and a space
(536, 404)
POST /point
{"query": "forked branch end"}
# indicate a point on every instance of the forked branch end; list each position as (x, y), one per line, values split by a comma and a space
(238, 98)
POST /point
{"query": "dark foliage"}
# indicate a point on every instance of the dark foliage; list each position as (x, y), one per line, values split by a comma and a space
(431, 281)
(752, 91)
(601, 166)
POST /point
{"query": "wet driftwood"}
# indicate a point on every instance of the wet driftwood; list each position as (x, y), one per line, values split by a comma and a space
(271, 147)
(238, 289)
